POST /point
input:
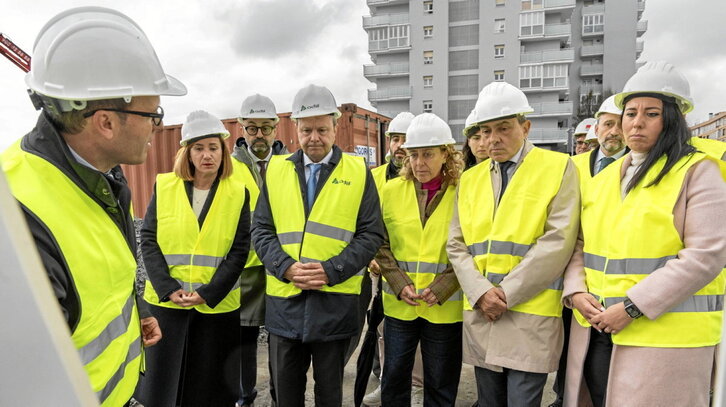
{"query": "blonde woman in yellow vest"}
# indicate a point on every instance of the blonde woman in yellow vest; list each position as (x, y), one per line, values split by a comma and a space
(650, 276)
(421, 296)
(512, 233)
(195, 241)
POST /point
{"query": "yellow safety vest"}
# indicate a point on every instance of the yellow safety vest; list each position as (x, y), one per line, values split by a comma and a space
(243, 173)
(627, 239)
(328, 229)
(193, 254)
(379, 177)
(582, 163)
(420, 251)
(498, 241)
(714, 148)
(103, 269)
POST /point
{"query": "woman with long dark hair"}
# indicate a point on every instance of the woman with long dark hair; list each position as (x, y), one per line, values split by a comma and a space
(647, 287)
(475, 149)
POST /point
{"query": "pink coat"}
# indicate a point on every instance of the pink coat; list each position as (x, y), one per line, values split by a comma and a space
(641, 376)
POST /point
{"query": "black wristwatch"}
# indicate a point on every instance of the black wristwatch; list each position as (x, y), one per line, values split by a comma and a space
(631, 309)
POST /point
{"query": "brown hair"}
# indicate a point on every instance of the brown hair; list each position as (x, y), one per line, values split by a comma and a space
(72, 122)
(184, 169)
(452, 168)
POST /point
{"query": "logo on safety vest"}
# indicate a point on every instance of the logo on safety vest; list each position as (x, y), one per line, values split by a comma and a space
(342, 181)
(303, 107)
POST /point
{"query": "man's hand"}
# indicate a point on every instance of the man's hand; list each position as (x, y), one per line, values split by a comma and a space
(409, 295)
(150, 331)
(192, 299)
(374, 267)
(587, 305)
(429, 296)
(493, 304)
(612, 320)
(310, 276)
(177, 297)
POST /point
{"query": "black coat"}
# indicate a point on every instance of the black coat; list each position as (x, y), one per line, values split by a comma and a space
(314, 316)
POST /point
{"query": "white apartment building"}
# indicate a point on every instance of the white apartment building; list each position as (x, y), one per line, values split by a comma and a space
(436, 55)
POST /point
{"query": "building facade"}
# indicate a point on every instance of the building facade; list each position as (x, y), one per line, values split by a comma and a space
(713, 128)
(436, 55)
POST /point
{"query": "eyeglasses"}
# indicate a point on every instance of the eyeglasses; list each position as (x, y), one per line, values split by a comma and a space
(155, 117)
(252, 130)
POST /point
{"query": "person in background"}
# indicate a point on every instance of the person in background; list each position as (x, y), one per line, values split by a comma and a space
(195, 242)
(580, 134)
(475, 149)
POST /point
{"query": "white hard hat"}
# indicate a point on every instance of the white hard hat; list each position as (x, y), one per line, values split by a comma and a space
(428, 130)
(608, 106)
(199, 124)
(662, 78)
(584, 126)
(469, 123)
(258, 107)
(314, 100)
(499, 100)
(590, 135)
(92, 53)
(400, 123)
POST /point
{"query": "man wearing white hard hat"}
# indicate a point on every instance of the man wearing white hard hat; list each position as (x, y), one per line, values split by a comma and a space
(396, 136)
(195, 242)
(609, 134)
(512, 234)
(252, 154)
(97, 80)
(580, 134)
(316, 227)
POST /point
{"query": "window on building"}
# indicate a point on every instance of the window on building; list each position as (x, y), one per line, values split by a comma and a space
(554, 76)
(428, 6)
(461, 60)
(593, 23)
(428, 31)
(499, 51)
(460, 85)
(498, 2)
(530, 76)
(499, 25)
(499, 75)
(428, 106)
(461, 35)
(428, 81)
(398, 36)
(428, 57)
(531, 23)
(467, 10)
(531, 4)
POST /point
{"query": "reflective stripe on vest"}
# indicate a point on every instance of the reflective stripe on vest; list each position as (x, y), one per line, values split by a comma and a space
(243, 173)
(498, 241)
(419, 251)
(628, 239)
(328, 229)
(193, 255)
(101, 265)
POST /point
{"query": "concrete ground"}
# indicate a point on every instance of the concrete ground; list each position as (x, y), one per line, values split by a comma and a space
(466, 396)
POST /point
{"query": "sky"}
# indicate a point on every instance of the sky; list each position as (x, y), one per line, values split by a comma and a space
(225, 50)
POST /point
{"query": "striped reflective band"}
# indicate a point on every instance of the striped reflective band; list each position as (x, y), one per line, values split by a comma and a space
(480, 248)
(694, 303)
(113, 330)
(423, 267)
(329, 231)
(197, 286)
(133, 353)
(290, 237)
(511, 248)
(496, 278)
(196, 260)
(595, 262)
(636, 266)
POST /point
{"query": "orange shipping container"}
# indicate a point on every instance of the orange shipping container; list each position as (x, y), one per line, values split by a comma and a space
(359, 130)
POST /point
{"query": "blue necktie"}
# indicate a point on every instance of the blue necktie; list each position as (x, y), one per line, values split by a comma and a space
(312, 182)
(604, 162)
(504, 168)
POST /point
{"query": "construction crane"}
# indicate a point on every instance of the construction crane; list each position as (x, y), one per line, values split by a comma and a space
(14, 53)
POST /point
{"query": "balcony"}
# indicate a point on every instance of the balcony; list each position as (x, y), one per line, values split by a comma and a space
(558, 4)
(387, 70)
(589, 70)
(550, 31)
(551, 109)
(592, 50)
(544, 84)
(555, 55)
(384, 19)
(594, 9)
(389, 45)
(542, 136)
(373, 3)
(641, 7)
(596, 89)
(639, 46)
(642, 27)
(392, 93)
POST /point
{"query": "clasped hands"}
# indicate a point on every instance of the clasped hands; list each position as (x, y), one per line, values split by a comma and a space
(493, 304)
(409, 296)
(611, 320)
(308, 276)
(184, 298)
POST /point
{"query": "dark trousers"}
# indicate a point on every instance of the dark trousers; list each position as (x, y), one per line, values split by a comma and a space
(510, 388)
(597, 365)
(196, 363)
(248, 358)
(559, 386)
(290, 360)
(441, 354)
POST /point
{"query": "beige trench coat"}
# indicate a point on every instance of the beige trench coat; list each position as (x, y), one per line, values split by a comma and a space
(641, 376)
(517, 340)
